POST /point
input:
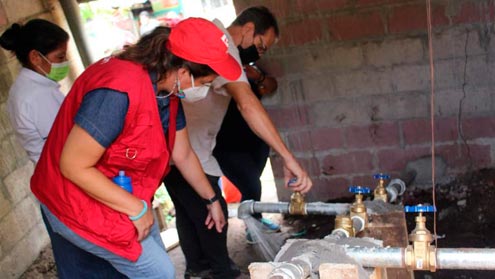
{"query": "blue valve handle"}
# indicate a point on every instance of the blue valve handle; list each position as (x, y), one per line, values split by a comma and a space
(359, 189)
(381, 176)
(291, 181)
(419, 208)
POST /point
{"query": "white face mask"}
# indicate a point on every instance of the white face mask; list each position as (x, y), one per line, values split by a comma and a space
(195, 93)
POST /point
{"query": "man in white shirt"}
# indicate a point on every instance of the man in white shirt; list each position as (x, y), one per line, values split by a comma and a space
(206, 250)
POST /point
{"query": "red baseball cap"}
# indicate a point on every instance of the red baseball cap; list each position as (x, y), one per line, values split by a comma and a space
(200, 41)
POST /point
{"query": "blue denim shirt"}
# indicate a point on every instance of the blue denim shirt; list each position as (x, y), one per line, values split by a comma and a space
(102, 114)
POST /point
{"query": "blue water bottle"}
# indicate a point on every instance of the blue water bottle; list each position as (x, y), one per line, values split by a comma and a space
(123, 181)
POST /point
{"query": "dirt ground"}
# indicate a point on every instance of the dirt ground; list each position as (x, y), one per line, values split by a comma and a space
(465, 218)
(241, 252)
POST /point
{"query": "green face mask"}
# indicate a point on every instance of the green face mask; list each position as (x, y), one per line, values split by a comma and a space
(58, 71)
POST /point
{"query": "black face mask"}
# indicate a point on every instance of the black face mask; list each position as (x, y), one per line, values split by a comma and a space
(249, 54)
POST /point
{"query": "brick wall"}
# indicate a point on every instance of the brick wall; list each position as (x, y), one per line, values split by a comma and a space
(22, 232)
(354, 87)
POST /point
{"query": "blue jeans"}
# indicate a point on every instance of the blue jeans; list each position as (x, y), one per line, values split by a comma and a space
(75, 263)
(153, 262)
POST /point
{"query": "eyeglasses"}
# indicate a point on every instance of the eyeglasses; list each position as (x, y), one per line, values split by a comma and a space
(263, 48)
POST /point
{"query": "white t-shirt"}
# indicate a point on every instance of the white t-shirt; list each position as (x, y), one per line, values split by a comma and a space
(32, 105)
(205, 116)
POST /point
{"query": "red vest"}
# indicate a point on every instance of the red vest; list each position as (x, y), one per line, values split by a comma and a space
(141, 150)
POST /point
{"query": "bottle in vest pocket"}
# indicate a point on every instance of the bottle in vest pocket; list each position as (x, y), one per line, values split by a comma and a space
(123, 181)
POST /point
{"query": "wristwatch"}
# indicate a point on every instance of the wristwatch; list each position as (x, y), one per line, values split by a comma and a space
(212, 200)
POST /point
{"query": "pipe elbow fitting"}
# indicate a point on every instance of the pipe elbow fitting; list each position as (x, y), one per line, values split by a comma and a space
(358, 223)
(287, 271)
(340, 233)
(246, 209)
(395, 188)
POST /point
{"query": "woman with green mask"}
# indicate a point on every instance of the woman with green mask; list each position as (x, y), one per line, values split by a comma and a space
(35, 97)
(34, 101)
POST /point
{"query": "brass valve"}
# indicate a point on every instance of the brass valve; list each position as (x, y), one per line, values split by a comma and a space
(344, 224)
(380, 192)
(421, 255)
(358, 208)
(297, 205)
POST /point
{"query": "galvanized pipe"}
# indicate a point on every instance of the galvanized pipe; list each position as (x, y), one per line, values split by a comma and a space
(321, 208)
(267, 207)
(71, 10)
(395, 188)
(289, 271)
(446, 258)
(377, 256)
(466, 258)
(250, 207)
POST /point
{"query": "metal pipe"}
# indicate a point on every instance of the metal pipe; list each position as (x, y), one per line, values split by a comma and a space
(76, 64)
(395, 188)
(321, 208)
(339, 233)
(267, 207)
(71, 10)
(358, 223)
(377, 256)
(250, 207)
(447, 258)
(288, 271)
(466, 258)
(297, 268)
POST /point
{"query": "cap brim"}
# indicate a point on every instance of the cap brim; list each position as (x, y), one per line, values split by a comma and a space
(229, 68)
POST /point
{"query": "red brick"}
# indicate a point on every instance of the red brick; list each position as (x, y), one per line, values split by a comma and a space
(299, 141)
(300, 32)
(462, 156)
(356, 26)
(317, 6)
(273, 66)
(325, 189)
(396, 159)
(319, 139)
(482, 127)
(279, 8)
(327, 138)
(364, 180)
(472, 12)
(364, 3)
(418, 131)
(3, 16)
(413, 18)
(289, 117)
(384, 134)
(311, 166)
(277, 166)
(348, 163)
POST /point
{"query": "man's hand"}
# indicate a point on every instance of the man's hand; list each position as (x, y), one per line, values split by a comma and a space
(292, 169)
(215, 217)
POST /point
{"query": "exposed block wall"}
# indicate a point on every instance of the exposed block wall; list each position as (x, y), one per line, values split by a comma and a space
(355, 90)
(22, 231)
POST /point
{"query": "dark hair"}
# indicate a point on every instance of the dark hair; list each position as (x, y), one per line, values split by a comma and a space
(262, 18)
(150, 51)
(39, 34)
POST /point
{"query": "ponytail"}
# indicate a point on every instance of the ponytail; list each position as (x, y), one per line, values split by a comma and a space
(38, 34)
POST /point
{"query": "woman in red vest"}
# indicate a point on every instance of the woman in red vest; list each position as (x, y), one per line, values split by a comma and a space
(123, 114)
